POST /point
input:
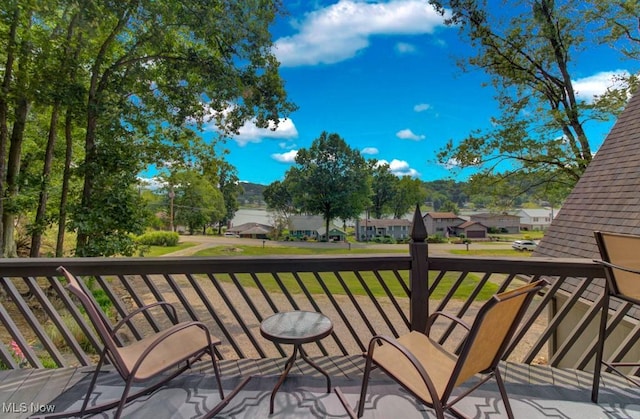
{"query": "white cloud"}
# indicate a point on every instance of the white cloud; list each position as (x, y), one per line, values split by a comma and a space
(338, 32)
(370, 150)
(451, 164)
(288, 157)
(405, 48)
(421, 107)
(400, 168)
(152, 183)
(588, 87)
(407, 134)
(250, 133)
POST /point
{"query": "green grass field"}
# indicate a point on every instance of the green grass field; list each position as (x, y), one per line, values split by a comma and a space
(349, 279)
(289, 250)
(353, 283)
(490, 252)
(155, 251)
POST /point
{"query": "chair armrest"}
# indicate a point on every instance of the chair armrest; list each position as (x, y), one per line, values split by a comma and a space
(614, 266)
(432, 319)
(414, 361)
(173, 317)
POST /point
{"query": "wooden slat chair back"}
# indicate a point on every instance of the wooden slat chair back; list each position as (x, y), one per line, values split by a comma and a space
(620, 258)
(431, 373)
(171, 350)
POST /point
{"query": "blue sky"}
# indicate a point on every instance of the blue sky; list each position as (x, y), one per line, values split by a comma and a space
(382, 75)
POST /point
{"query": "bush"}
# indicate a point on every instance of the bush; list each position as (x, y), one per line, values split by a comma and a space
(436, 239)
(76, 331)
(159, 238)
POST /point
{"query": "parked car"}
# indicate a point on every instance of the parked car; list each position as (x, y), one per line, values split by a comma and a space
(230, 234)
(524, 245)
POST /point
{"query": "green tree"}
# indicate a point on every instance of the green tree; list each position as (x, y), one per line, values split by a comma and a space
(230, 187)
(330, 178)
(527, 54)
(197, 201)
(279, 198)
(120, 79)
(409, 192)
(384, 185)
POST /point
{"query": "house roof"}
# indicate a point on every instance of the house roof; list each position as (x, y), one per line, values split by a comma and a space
(441, 215)
(493, 215)
(309, 223)
(605, 198)
(385, 222)
(536, 212)
(257, 230)
(468, 224)
(242, 228)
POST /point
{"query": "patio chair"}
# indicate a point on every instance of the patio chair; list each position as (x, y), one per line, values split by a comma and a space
(176, 347)
(621, 262)
(431, 373)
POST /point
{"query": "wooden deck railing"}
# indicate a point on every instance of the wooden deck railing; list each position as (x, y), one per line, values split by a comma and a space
(363, 295)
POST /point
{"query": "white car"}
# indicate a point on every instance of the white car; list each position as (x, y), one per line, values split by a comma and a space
(529, 245)
(230, 234)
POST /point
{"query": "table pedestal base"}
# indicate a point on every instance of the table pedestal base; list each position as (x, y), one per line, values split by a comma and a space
(287, 368)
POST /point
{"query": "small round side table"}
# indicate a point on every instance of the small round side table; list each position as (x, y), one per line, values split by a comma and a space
(296, 328)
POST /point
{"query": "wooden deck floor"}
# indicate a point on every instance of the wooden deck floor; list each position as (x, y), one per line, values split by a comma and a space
(534, 391)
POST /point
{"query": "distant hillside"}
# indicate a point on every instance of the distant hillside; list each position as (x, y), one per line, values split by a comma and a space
(252, 196)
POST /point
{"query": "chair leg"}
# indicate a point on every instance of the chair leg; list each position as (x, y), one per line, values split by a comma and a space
(216, 371)
(93, 382)
(503, 393)
(602, 330)
(123, 399)
(365, 384)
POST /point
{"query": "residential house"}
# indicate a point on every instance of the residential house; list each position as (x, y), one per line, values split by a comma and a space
(500, 223)
(535, 218)
(313, 227)
(252, 230)
(471, 230)
(605, 198)
(368, 228)
(441, 223)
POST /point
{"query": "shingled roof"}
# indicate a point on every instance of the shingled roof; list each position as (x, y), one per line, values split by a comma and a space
(607, 196)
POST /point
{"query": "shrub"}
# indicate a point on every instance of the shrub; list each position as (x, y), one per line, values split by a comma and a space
(159, 238)
(74, 329)
(436, 239)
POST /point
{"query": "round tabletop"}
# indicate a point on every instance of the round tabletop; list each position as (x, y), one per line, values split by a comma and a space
(296, 327)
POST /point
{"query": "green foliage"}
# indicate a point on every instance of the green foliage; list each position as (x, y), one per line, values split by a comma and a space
(437, 238)
(526, 52)
(384, 185)
(88, 84)
(198, 202)
(330, 178)
(159, 238)
(76, 331)
(409, 193)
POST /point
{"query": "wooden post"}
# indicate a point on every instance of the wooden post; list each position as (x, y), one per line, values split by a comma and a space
(419, 274)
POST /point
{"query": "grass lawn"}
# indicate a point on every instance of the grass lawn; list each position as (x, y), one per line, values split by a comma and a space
(155, 251)
(289, 250)
(490, 252)
(353, 283)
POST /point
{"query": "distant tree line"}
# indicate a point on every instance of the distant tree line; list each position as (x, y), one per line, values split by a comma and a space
(333, 180)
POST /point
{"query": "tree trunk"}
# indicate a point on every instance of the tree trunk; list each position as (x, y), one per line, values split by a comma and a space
(39, 224)
(4, 113)
(13, 171)
(62, 215)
